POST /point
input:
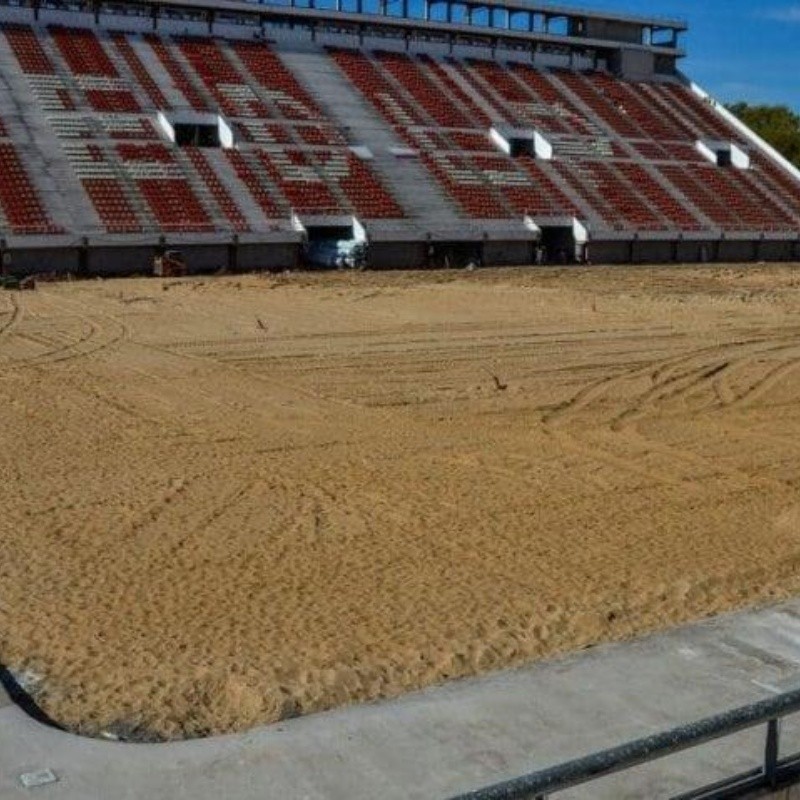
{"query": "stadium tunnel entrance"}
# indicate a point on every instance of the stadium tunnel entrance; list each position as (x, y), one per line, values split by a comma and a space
(333, 243)
(558, 245)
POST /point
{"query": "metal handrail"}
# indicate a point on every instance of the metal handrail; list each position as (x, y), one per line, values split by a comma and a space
(539, 785)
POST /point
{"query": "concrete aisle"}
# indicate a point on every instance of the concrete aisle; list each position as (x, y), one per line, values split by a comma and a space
(435, 743)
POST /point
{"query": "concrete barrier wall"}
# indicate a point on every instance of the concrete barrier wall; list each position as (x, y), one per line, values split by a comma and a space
(397, 255)
(120, 260)
(268, 256)
(498, 254)
(45, 259)
(135, 259)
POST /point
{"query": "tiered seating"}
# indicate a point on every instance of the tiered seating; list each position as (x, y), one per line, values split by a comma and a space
(630, 104)
(546, 198)
(563, 116)
(47, 86)
(624, 154)
(586, 185)
(424, 92)
(321, 135)
(377, 89)
(174, 205)
(111, 204)
(756, 213)
(145, 80)
(261, 132)
(247, 171)
(83, 52)
(166, 190)
(473, 142)
(94, 71)
(277, 81)
(176, 72)
(694, 183)
(103, 186)
(697, 110)
(124, 126)
(624, 198)
(778, 182)
(361, 187)
(466, 185)
(528, 98)
(112, 101)
(220, 194)
(294, 174)
(19, 200)
(658, 197)
(615, 116)
(523, 187)
(494, 79)
(476, 114)
(28, 51)
(226, 85)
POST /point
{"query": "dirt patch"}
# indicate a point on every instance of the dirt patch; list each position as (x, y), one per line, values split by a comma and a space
(247, 498)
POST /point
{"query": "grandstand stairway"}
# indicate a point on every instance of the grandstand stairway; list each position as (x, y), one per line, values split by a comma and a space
(39, 149)
(157, 72)
(124, 70)
(249, 209)
(411, 184)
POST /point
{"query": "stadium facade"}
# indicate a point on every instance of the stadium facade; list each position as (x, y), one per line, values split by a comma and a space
(430, 133)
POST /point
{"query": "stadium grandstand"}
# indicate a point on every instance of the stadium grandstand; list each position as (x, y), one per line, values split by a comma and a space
(436, 133)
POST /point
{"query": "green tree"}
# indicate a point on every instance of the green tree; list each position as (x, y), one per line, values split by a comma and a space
(778, 125)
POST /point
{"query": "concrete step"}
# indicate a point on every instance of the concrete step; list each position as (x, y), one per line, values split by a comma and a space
(123, 69)
(244, 200)
(477, 97)
(406, 179)
(39, 149)
(157, 71)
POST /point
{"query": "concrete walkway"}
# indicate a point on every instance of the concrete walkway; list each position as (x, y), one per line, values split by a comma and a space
(433, 744)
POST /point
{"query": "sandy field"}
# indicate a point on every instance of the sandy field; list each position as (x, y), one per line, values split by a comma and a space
(225, 501)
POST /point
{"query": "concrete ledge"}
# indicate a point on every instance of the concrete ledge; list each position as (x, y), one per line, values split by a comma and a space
(434, 744)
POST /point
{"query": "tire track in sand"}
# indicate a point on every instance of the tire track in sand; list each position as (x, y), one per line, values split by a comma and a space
(100, 332)
(667, 386)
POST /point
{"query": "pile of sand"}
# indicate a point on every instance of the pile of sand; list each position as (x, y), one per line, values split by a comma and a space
(228, 501)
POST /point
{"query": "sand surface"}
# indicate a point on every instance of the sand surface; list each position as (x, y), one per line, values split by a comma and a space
(226, 501)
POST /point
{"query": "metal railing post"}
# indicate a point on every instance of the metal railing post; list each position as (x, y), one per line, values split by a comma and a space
(772, 752)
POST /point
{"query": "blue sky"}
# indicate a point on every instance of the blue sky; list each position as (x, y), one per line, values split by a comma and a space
(738, 50)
